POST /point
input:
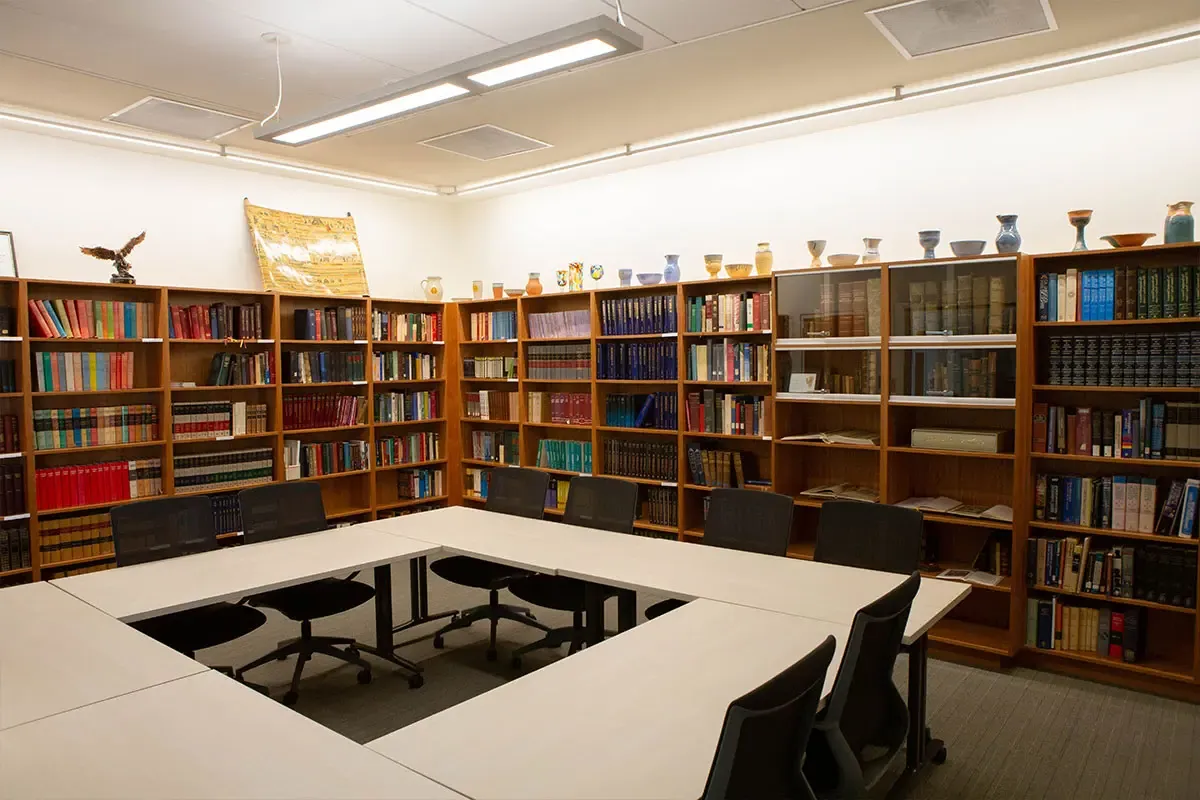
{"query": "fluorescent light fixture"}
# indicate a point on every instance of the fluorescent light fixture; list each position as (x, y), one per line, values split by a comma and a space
(373, 113)
(588, 41)
(345, 177)
(545, 62)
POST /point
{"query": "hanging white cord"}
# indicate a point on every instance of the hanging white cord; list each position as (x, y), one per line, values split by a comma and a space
(279, 73)
(620, 15)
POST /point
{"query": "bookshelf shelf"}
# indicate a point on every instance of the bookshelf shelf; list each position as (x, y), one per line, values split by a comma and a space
(478, 462)
(221, 489)
(970, 522)
(988, 341)
(802, 550)
(483, 380)
(82, 340)
(830, 343)
(324, 341)
(1096, 323)
(743, 436)
(98, 506)
(829, 445)
(627, 382)
(1112, 534)
(544, 339)
(619, 429)
(471, 342)
(1194, 466)
(554, 511)
(420, 501)
(404, 422)
(347, 512)
(302, 431)
(624, 336)
(583, 381)
(732, 384)
(12, 395)
(411, 465)
(925, 451)
(323, 385)
(1122, 601)
(960, 402)
(1155, 668)
(230, 438)
(407, 381)
(643, 481)
(79, 562)
(1004, 586)
(331, 475)
(643, 525)
(239, 387)
(568, 472)
(973, 636)
(501, 422)
(98, 448)
(723, 334)
(567, 426)
(93, 392)
(1143, 390)
(220, 342)
(826, 397)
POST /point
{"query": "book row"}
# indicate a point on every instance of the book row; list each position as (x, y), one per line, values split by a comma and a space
(216, 321)
(69, 538)
(398, 326)
(659, 410)
(1105, 632)
(490, 367)
(959, 373)
(227, 513)
(637, 361)
(1126, 292)
(727, 313)
(336, 323)
(82, 372)
(710, 411)
(853, 372)
(241, 369)
(91, 319)
(964, 305)
(490, 326)
(408, 448)
(661, 506)
(407, 406)
(560, 324)
(1121, 502)
(709, 467)
(556, 493)
(1134, 359)
(230, 470)
(490, 405)
(845, 308)
(10, 437)
(323, 366)
(476, 482)
(729, 361)
(415, 484)
(634, 316)
(1154, 430)
(559, 362)
(561, 408)
(215, 419)
(311, 459)
(87, 484)
(304, 411)
(393, 365)
(564, 454)
(1152, 572)
(656, 461)
(8, 375)
(14, 548)
(12, 489)
(499, 446)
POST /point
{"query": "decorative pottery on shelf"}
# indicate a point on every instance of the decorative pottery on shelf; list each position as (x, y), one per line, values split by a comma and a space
(1128, 239)
(432, 287)
(625, 276)
(764, 259)
(514, 292)
(738, 270)
(596, 271)
(497, 290)
(575, 275)
(968, 247)
(1009, 238)
(712, 264)
(649, 278)
(670, 272)
(476, 290)
(560, 277)
(1080, 219)
(871, 250)
(1181, 225)
(929, 240)
(815, 248)
(534, 287)
(843, 259)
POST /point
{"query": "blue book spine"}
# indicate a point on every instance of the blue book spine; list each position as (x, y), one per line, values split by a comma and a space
(76, 428)
(1053, 292)
(1071, 500)
(1045, 625)
(1110, 284)
(1187, 522)
(1085, 295)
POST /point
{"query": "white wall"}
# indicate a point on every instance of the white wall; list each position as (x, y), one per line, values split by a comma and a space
(1123, 145)
(57, 194)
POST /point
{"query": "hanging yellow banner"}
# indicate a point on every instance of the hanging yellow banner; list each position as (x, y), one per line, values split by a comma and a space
(305, 254)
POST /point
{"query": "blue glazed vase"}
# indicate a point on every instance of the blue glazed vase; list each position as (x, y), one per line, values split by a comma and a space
(671, 271)
(1181, 226)
(1009, 239)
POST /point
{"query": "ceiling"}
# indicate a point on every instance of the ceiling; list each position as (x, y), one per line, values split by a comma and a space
(705, 62)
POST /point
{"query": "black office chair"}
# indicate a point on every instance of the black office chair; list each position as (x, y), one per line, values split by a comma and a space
(179, 526)
(278, 511)
(870, 536)
(765, 733)
(742, 519)
(865, 723)
(521, 493)
(607, 504)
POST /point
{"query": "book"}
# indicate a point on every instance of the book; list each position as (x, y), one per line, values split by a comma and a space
(414, 326)
(846, 436)
(235, 469)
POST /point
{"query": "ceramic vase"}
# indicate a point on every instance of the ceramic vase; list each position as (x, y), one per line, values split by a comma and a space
(671, 271)
(712, 264)
(1181, 225)
(534, 287)
(871, 251)
(815, 248)
(432, 286)
(561, 278)
(597, 272)
(1009, 238)
(625, 276)
(498, 291)
(575, 275)
(929, 240)
(764, 259)
(1080, 219)
(476, 290)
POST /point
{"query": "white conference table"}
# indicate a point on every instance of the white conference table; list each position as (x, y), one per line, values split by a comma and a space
(637, 718)
(58, 653)
(200, 736)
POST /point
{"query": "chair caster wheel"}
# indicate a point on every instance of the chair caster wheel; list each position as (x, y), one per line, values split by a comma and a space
(416, 681)
(491, 654)
(940, 756)
(516, 662)
(290, 698)
(438, 643)
(364, 676)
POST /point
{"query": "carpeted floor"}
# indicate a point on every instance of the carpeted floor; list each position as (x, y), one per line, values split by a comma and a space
(1017, 735)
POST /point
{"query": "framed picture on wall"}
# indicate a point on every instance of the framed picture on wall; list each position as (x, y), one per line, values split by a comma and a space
(8, 255)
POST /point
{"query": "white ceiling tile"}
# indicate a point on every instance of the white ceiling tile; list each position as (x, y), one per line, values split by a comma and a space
(514, 20)
(682, 20)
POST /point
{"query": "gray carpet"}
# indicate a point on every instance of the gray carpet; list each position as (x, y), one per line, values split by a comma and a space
(1020, 734)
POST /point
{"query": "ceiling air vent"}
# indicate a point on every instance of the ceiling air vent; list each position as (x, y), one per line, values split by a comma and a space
(485, 143)
(923, 27)
(178, 119)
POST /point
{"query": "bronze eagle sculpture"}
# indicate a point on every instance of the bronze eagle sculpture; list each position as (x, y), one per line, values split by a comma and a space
(123, 274)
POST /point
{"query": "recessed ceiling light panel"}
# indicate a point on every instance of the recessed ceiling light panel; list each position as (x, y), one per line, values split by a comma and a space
(178, 119)
(485, 143)
(373, 113)
(924, 27)
(534, 65)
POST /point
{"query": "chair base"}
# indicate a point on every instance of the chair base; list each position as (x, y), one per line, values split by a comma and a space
(494, 611)
(575, 636)
(305, 647)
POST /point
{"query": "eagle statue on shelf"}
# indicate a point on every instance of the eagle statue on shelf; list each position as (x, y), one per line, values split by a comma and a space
(123, 274)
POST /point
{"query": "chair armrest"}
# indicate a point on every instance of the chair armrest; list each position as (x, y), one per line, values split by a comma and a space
(352, 575)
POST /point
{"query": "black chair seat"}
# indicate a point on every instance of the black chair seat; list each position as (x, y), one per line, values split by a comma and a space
(551, 591)
(477, 573)
(200, 628)
(663, 606)
(316, 599)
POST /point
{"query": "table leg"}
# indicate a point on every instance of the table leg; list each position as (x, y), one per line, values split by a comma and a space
(922, 747)
(384, 647)
(593, 600)
(418, 596)
(626, 610)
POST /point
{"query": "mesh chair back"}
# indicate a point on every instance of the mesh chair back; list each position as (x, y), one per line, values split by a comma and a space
(865, 704)
(158, 529)
(607, 504)
(518, 491)
(280, 510)
(766, 731)
(745, 519)
(870, 536)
